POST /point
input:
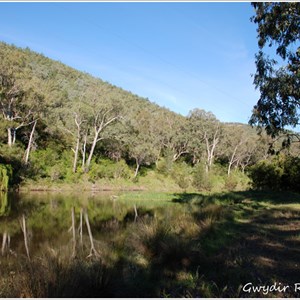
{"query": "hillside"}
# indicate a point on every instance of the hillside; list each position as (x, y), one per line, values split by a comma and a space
(63, 125)
(60, 83)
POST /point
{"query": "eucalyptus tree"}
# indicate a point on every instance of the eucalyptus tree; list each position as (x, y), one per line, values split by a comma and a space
(180, 137)
(73, 118)
(19, 109)
(103, 113)
(277, 77)
(142, 140)
(11, 105)
(206, 131)
(238, 145)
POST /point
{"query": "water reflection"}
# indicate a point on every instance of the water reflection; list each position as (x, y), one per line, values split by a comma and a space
(5, 206)
(30, 222)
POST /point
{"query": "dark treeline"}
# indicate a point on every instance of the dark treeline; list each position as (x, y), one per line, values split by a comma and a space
(62, 125)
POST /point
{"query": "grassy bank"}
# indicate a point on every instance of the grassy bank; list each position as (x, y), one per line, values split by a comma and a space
(209, 245)
(151, 180)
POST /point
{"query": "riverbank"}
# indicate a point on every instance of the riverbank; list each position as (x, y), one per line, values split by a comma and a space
(151, 182)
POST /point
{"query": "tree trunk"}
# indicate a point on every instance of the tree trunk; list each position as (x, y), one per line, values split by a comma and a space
(84, 152)
(30, 143)
(24, 229)
(232, 160)
(229, 169)
(73, 231)
(4, 243)
(76, 153)
(93, 249)
(14, 133)
(137, 168)
(88, 162)
(9, 136)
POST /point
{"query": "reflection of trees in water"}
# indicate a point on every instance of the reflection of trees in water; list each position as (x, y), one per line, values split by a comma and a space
(58, 221)
(5, 206)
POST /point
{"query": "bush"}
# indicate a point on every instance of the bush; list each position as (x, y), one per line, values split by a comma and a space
(181, 173)
(165, 164)
(231, 183)
(106, 168)
(266, 175)
(202, 180)
(290, 179)
(5, 176)
(280, 173)
(43, 163)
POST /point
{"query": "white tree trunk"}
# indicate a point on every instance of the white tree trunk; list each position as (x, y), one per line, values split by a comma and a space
(88, 162)
(30, 143)
(137, 168)
(84, 152)
(9, 137)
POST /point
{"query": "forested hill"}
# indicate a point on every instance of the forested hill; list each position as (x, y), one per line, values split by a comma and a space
(59, 83)
(60, 124)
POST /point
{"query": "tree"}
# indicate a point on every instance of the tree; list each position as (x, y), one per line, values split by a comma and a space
(19, 109)
(238, 146)
(73, 118)
(12, 106)
(278, 80)
(206, 131)
(102, 115)
(143, 142)
(172, 133)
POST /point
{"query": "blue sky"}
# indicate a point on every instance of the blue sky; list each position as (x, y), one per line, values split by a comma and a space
(179, 55)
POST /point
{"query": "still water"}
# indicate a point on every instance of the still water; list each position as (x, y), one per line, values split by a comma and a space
(30, 222)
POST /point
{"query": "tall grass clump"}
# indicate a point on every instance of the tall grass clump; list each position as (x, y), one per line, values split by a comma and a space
(50, 276)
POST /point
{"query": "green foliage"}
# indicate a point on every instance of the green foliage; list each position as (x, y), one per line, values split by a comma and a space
(279, 26)
(202, 180)
(181, 173)
(231, 182)
(44, 163)
(280, 173)
(266, 175)
(164, 165)
(291, 176)
(106, 168)
(5, 204)
(79, 112)
(5, 176)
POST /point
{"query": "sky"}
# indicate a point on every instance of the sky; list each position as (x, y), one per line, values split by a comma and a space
(180, 55)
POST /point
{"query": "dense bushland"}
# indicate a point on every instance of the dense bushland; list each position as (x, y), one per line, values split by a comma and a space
(282, 172)
(59, 125)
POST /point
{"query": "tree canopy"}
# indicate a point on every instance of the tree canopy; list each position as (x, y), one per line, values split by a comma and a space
(277, 76)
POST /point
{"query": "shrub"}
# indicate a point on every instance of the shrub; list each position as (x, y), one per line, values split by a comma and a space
(5, 176)
(201, 179)
(181, 173)
(42, 162)
(122, 170)
(280, 173)
(266, 175)
(165, 164)
(106, 168)
(231, 182)
(290, 179)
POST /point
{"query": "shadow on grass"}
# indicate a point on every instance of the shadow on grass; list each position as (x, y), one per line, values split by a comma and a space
(257, 240)
(238, 197)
